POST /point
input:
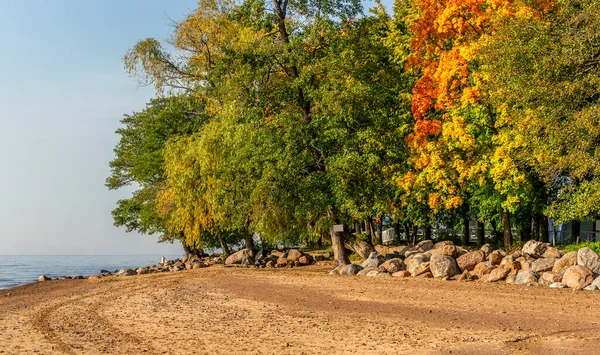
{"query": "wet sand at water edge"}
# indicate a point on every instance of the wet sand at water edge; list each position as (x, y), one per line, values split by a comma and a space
(222, 310)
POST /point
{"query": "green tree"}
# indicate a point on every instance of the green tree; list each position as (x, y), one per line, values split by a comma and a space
(138, 161)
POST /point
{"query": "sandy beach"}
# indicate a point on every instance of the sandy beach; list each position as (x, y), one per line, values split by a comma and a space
(222, 310)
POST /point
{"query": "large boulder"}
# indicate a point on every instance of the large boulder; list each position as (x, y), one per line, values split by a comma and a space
(415, 260)
(470, 259)
(374, 259)
(403, 250)
(534, 249)
(527, 278)
(443, 243)
(588, 258)
(421, 269)
(294, 255)
(543, 264)
(495, 257)
(366, 270)
(487, 249)
(443, 266)
(425, 245)
(513, 266)
(567, 260)
(386, 249)
(240, 257)
(449, 250)
(498, 274)
(393, 265)
(507, 259)
(578, 276)
(552, 252)
(350, 269)
(549, 277)
(482, 269)
(126, 272)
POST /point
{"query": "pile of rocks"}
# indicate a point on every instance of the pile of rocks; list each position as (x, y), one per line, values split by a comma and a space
(276, 259)
(185, 263)
(535, 264)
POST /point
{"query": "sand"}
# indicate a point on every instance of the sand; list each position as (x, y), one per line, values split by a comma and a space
(293, 311)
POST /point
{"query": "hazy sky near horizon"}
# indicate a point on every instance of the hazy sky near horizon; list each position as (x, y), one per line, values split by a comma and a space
(63, 90)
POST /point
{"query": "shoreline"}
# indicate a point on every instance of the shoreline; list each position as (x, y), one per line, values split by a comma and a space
(293, 311)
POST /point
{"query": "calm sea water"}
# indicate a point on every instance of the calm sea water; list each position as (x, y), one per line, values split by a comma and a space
(17, 270)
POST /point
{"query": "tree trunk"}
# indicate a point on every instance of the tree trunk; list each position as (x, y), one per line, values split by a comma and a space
(427, 232)
(397, 231)
(506, 229)
(544, 232)
(192, 251)
(480, 233)
(535, 228)
(575, 230)
(224, 246)
(250, 244)
(378, 231)
(368, 228)
(339, 251)
(415, 230)
(466, 232)
(356, 225)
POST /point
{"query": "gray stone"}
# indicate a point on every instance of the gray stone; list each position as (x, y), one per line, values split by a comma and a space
(526, 278)
(423, 268)
(544, 264)
(443, 266)
(588, 258)
(558, 285)
(393, 265)
(591, 288)
(425, 245)
(373, 273)
(366, 270)
(241, 257)
(350, 269)
(415, 260)
(126, 272)
(534, 248)
(596, 281)
(374, 259)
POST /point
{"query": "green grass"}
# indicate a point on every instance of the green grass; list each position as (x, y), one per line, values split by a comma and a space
(595, 246)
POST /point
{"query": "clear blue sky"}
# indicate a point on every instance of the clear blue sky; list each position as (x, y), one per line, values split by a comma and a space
(63, 90)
